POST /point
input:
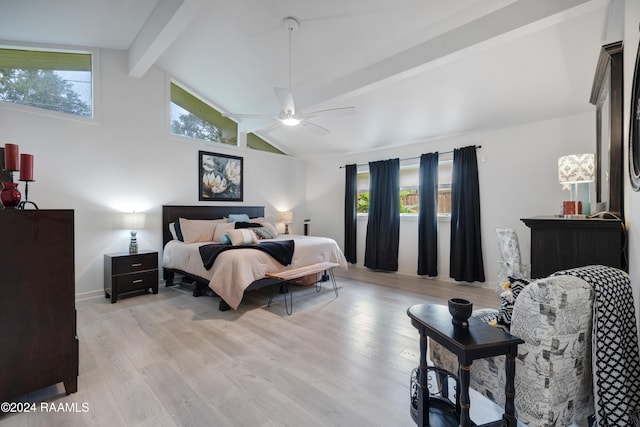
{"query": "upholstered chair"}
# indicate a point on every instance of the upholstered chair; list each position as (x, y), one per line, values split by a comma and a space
(553, 380)
(509, 260)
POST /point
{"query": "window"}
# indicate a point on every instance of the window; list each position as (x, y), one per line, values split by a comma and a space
(257, 143)
(409, 189)
(52, 80)
(194, 118)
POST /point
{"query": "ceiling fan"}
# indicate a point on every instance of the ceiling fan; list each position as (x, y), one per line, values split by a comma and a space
(289, 115)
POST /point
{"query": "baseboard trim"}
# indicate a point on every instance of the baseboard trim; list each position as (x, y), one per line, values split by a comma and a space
(82, 296)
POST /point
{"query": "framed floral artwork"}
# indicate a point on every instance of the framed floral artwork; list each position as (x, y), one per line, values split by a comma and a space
(220, 177)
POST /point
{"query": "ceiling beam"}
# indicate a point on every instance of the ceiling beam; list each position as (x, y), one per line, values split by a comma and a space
(165, 24)
(445, 47)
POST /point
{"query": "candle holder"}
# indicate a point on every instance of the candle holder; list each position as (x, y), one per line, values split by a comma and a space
(26, 201)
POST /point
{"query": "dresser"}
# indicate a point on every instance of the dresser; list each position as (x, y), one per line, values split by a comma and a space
(126, 273)
(559, 243)
(38, 341)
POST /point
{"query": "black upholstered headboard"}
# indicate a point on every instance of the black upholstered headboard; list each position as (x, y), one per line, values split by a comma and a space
(171, 213)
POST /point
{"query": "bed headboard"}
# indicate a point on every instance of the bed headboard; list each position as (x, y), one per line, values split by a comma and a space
(171, 213)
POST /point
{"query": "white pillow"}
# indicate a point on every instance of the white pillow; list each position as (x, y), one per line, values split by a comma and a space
(221, 229)
(263, 219)
(242, 236)
(172, 230)
(271, 227)
(198, 230)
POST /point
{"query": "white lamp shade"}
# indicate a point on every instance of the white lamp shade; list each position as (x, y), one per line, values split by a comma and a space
(133, 221)
(285, 217)
(576, 168)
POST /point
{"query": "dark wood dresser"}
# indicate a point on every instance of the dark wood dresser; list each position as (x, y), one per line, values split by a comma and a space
(560, 243)
(38, 341)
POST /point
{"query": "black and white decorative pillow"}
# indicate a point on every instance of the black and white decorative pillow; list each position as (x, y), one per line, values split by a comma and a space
(508, 298)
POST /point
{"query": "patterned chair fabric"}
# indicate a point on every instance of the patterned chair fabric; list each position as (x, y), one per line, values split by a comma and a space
(509, 261)
(553, 369)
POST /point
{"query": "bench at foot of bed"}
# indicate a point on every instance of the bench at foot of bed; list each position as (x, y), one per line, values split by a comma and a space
(286, 277)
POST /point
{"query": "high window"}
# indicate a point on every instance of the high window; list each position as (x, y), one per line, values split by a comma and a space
(51, 80)
(409, 189)
(257, 143)
(192, 117)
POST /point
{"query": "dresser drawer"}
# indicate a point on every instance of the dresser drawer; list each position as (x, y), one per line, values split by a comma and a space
(136, 281)
(135, 263)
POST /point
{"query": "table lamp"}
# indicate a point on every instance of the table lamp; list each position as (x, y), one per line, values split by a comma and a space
(286, 218)
(133, 221)
(576, 169)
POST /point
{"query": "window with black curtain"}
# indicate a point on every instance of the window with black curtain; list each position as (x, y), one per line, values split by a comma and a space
(383, 226)
(350, 213)
(465, 263)
(428, 216)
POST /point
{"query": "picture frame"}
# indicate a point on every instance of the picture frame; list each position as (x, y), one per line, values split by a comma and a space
(220, 177)
(634, 127)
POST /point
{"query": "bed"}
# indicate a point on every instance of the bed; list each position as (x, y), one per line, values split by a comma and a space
(234, 271)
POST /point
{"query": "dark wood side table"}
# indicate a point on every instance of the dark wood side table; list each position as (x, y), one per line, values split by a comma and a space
(477, 341)
(559, 243)
(125, 272)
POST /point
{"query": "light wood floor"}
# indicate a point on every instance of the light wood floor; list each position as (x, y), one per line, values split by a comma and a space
(175, 360)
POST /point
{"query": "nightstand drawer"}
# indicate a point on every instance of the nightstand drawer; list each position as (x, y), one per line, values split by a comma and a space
(136, 281)
(135, 263)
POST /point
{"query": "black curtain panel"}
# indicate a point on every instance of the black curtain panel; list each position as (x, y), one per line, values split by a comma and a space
(428, 216)
(465, 263)
(350, 213)
(383, 227)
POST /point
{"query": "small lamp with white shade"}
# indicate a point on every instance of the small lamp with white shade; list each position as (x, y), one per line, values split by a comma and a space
(133, 221)
(577, 169)
(286, 218)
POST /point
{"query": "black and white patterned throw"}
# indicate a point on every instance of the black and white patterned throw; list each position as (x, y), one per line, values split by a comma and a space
(616, 359)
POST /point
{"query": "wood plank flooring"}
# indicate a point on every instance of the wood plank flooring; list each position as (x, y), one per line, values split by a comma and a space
(174, 360)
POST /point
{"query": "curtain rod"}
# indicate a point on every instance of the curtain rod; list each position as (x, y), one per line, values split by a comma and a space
(413, 158)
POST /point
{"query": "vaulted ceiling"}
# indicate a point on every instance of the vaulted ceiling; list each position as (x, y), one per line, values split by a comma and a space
(415, 70)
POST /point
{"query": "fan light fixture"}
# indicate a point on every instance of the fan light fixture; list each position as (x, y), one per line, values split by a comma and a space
(289, 115)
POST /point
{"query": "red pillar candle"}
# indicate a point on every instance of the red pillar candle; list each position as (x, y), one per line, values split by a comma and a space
(26, 167)
(11, 157)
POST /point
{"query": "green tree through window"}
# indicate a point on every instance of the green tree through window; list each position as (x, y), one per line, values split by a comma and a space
(41, 89)
(51, 80)
(188, 124)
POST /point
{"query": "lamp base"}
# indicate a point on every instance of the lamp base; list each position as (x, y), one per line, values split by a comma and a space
(286, 229)
(571, 207)
(133, 245)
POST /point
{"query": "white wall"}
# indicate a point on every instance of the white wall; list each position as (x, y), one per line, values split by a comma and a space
(632, 199)
(126, 160)
(518, 175)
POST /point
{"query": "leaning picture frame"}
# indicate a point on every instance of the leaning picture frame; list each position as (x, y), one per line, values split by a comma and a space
(220, 177)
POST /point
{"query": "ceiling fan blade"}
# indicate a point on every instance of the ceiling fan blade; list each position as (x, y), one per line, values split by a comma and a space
(315, 128)
(270, 128)
(286, 99)
(246, 116)
(332, 112)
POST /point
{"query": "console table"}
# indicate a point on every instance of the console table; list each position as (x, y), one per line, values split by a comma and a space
(559, 243)
(477, 341)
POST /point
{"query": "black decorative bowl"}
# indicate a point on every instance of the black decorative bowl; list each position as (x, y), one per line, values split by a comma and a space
(460, 310)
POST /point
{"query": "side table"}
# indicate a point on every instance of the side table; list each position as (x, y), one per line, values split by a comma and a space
(125, 272)
(477, 341)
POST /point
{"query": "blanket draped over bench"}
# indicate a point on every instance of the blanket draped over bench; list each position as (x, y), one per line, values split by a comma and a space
(616, 361)
(281, 251)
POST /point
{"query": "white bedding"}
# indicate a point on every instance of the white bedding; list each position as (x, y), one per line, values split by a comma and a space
(233, 271)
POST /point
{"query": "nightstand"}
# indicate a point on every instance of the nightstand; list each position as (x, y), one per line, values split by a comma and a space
(125, 272)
